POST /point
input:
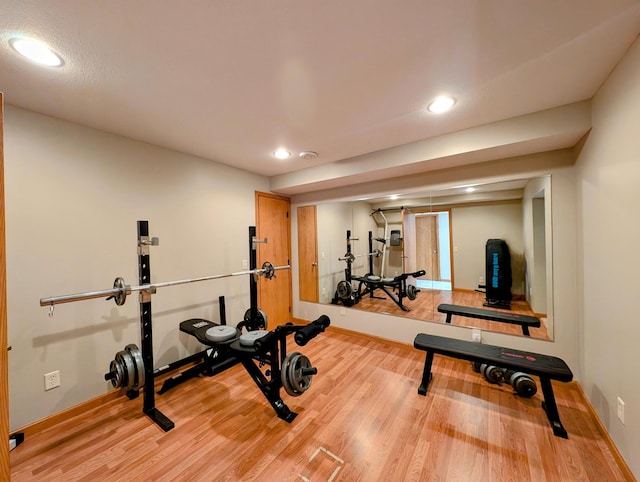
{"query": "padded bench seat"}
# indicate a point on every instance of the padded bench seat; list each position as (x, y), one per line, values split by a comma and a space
(525, 321)
(545, 367)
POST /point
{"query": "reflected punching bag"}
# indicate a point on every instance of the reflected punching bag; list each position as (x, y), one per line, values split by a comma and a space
(498, 274)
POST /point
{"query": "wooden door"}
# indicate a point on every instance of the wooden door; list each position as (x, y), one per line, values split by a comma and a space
(427, 245)
(308, 253)
(273, 223)
(409, 255)
(5, 472)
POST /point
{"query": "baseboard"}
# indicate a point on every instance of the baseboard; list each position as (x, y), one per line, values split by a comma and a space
(51, 420)
(622, 464)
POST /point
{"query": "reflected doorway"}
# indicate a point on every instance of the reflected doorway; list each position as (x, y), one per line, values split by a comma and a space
(433, 250)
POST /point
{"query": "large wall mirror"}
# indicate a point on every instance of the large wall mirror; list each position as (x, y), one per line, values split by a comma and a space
(443, 233)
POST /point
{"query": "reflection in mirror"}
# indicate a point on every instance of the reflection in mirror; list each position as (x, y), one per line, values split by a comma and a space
(443, 233)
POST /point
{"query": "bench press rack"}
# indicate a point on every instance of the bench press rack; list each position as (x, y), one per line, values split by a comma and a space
(119, 294)
(368, 284)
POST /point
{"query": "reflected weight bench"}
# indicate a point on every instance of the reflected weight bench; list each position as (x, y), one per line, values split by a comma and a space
(545, 367)
(525, 321)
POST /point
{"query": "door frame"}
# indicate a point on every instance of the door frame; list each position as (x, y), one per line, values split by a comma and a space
(5, 470)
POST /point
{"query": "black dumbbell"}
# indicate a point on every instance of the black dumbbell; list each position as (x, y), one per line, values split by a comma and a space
(522, 383)
(492, 373)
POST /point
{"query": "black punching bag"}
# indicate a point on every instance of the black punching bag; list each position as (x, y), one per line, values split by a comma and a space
(498, 274)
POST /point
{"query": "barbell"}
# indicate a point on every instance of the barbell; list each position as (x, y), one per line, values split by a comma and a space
(120, 289)
(350, 257)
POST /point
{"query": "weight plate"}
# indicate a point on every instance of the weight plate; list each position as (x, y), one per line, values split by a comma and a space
(349, 257)
(125, 359)
(121, 297)
(523, 384)
(267, 270)
(284, 374)
(344, 290)
(294, 381)
(492, 373)
(249, 338)
(412, 292)
(117, 372)
(260, 323)
(220, 333)
(299, 381)
(137, 358)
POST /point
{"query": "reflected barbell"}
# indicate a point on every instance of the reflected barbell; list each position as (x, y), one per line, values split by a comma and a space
(120, 289)
(350, 257)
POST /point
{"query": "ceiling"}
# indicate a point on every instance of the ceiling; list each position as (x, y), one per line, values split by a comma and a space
(231, 81)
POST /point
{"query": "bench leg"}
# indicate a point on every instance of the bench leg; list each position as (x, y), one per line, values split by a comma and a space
(525, 330)
(396, 300)
(448, 318)
(549, 406)
(426, 374)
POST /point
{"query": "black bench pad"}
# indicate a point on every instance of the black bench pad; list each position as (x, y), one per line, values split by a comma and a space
(545, 367)
(525, 321)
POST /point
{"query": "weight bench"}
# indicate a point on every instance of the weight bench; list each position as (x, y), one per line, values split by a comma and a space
(545, 367)
(525, 321)
(398, 282)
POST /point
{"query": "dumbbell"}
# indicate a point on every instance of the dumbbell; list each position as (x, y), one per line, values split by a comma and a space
(523, 384)
(492, 373)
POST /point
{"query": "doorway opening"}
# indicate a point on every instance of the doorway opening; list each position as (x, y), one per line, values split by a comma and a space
(433, 250)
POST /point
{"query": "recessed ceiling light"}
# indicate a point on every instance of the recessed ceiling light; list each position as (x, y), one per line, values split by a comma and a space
(441, 104)
(470, 189)
(36, 51)
(282, 154)
(393, 197)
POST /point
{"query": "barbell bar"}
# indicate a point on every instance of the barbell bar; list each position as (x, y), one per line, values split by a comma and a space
(350, 257)
(120, 289)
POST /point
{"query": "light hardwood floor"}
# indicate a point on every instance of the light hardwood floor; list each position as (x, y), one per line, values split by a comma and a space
(362, 418)
(425, 307)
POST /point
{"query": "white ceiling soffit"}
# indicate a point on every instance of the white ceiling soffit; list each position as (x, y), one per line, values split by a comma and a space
(232, 81)
(561, 127)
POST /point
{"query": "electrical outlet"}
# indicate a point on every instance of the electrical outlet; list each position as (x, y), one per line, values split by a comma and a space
(476, 335)
(481, 280)
(343, 311)
(620, 410)
(51, 380)
(245, 264)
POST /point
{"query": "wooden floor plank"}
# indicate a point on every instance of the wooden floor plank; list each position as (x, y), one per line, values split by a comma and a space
(362, 418)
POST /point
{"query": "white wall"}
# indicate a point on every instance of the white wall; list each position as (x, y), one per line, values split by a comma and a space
(536, 213)
(608, 180)
(73, 196)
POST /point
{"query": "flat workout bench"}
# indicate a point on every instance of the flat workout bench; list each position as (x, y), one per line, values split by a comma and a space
(525, 321)
(546, 367)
